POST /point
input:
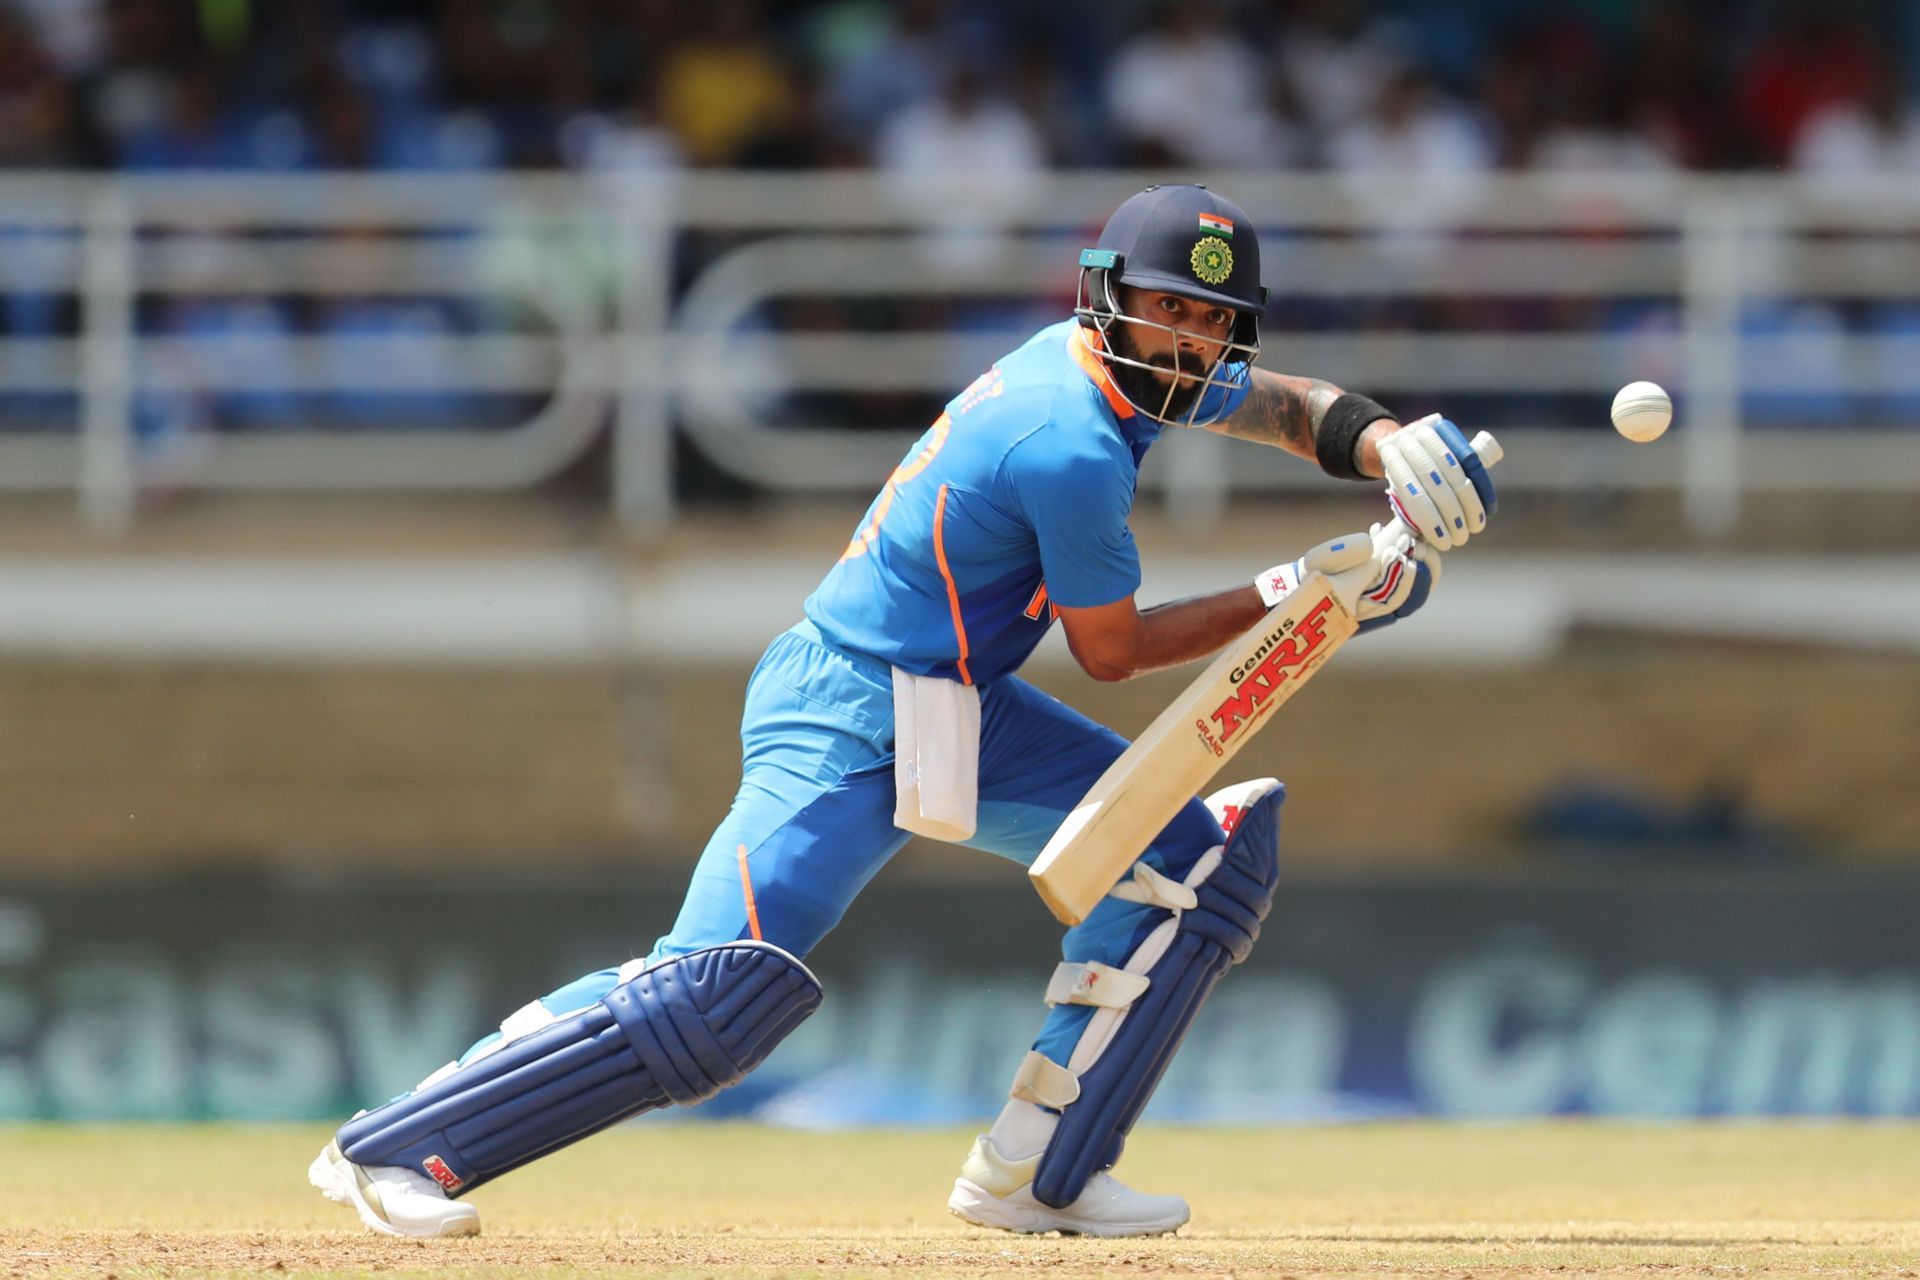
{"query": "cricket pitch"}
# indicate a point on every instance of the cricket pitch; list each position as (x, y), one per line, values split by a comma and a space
(1565, 1200)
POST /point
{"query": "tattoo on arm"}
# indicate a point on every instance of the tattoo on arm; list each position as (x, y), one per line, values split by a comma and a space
(1282, 410)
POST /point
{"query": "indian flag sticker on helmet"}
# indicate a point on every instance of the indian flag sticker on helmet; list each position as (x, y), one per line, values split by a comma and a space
(1219, 226)
(1211, 259)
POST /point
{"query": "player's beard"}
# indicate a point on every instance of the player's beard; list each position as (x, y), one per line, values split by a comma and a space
(1142, 387)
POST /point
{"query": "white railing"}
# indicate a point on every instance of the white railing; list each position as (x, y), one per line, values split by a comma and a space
(655, 307)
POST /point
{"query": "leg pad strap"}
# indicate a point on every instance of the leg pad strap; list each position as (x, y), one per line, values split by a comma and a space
(679, 1032)
(1096, 984)
(1043, 1081)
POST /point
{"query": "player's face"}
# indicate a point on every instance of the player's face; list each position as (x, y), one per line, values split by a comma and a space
(1186, 355)
(1203, 332)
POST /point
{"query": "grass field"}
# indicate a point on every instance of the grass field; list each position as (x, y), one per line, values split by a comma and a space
(683, 1200)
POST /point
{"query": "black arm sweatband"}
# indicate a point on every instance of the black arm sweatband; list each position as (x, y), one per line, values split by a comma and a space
(1333, 443)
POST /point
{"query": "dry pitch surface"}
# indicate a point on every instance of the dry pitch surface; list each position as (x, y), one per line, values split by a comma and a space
(686, 1200)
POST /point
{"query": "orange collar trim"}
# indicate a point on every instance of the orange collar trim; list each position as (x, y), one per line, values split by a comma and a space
(1090, 364)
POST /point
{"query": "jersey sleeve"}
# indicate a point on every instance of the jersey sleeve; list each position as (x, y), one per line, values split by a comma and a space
(1077, 503)
(1220, 401)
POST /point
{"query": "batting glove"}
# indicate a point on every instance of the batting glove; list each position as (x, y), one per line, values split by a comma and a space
(1437, 483)
(1378, 577)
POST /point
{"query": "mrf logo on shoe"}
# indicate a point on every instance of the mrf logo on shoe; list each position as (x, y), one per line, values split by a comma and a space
(437, 1170)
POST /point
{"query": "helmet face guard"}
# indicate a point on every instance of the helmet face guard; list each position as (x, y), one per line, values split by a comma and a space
(1097, 306)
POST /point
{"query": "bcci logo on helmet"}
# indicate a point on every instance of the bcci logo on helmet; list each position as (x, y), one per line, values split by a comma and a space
(1212, 259)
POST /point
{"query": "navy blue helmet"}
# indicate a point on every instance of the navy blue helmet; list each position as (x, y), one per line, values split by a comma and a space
(1184, 240)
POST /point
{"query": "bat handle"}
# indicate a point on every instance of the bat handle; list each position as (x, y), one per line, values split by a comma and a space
(1487, 449)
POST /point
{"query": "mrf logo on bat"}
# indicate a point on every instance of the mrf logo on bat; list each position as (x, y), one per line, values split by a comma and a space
(1282, 655)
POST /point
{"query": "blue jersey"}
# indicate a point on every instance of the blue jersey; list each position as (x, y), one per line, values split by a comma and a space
(1014, 501)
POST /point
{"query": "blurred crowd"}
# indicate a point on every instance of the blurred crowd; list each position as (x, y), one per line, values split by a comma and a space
(983, 86)
(989, 89)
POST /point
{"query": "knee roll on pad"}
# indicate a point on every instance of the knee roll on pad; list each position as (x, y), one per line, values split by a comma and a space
(680, 1031)
(1100, 1100)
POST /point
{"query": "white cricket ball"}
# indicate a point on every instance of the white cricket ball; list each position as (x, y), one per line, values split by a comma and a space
(1642, 411)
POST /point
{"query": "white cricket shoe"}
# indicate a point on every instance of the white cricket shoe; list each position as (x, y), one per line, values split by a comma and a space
(993, 1191)
(391, 1200)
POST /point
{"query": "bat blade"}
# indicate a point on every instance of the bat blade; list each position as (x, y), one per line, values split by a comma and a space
(1176, 755)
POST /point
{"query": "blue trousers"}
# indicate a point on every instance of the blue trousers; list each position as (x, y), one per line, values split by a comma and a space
(813, 820)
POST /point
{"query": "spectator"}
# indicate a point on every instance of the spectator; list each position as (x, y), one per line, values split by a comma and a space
(632, 142)
(235, 358)
(129, 95)
(882, 60)
(199, 129)
(1674, 88)
(499, 56)
(71, 32)
(1072, 128)
(967, 130)
(1189, 91)
(342, 127)
(477, 83)
(725, 87)
(1337, 62)
(36, 108)
(963, 158)
(1794, 365)
(388, 71)
(1411, 166)
(1416, 159)
(1510, 95)
(802, 137)
(1813, 59)
(1586, 129)
(35, 132)
(1875, 132)
(390, 363)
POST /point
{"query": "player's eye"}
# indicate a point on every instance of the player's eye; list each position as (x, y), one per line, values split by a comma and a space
(1218, 318)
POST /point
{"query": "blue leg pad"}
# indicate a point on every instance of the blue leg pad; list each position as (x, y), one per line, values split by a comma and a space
(680, 1031)
(1209, 938)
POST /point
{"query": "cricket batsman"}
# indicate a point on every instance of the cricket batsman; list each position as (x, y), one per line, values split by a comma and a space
(893, 707)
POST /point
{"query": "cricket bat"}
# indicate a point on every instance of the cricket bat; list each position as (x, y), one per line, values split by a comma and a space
(1174, 757)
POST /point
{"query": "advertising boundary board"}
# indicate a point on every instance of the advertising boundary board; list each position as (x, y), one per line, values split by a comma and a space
(306, 997)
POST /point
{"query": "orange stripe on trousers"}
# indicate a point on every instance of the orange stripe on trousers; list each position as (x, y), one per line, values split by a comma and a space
(746, 887)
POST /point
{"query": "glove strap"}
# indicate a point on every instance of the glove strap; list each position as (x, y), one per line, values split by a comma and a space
(1278, 582)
